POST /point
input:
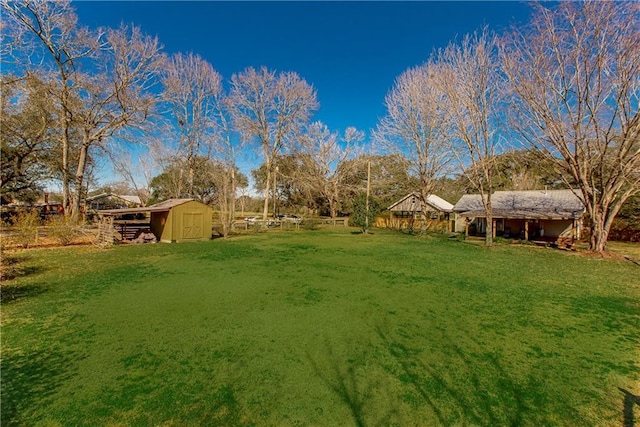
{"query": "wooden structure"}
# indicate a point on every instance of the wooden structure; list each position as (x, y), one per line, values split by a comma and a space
(174, 220)
(405, 212)
(112, 201)
(528, 215)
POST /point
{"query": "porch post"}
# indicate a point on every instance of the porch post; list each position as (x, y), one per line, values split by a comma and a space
(466, 227)
(526, 229)
(493, 229)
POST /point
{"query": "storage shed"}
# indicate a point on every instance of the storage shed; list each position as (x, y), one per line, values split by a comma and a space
(435, 210)
(174, 220)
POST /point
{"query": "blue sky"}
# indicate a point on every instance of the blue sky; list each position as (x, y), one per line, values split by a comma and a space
(350, 51)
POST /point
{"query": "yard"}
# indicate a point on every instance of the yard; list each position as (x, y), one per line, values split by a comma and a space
(322, 327)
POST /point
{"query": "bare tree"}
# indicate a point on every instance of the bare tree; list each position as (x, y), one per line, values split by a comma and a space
(575, 71)
(44, 38)
(323, 154)
(270, 109)
(116, 96)
(191, 87)
(226, 145)
(417, 125)
(136, 173)
(100, 80)
(470, 80)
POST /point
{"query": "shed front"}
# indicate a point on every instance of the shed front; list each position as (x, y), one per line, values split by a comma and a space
(188, 221)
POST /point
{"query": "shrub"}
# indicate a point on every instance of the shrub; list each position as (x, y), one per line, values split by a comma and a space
(310, 224)
(25, 228)
(63, 229)
(362, 217)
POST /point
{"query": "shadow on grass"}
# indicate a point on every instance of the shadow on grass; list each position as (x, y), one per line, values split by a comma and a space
(146, 393)
(28, 382)
(341, 378)
(479, 390)
(12, 292)
(12, 268)
(629, 401)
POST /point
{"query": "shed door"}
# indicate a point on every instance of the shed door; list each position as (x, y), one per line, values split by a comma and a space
(192, 225)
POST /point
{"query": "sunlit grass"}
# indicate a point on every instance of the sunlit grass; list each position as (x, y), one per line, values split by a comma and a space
(320, 328)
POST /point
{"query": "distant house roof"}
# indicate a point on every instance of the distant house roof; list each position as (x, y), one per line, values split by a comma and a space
(548, 204)
(126, 198)
(411, 203)
(158, 207)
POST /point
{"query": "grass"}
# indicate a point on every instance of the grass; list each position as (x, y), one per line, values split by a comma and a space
(319, 328)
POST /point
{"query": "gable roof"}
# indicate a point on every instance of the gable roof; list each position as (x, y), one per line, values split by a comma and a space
(411, 203)
(549, 204)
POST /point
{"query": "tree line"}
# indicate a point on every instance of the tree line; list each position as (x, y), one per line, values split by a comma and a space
(555, 100)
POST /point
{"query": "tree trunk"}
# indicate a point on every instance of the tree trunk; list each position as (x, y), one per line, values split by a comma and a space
(230, 198)
(265, 210)
(79, 178)
(65, 119)
(489, 218)
(333, 201)
(599, 232)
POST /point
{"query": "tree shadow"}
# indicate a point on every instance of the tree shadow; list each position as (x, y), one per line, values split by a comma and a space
(483, 392)
(12, 268)
(29, 381)
(353, 390)
(12, 292)
(629, 401)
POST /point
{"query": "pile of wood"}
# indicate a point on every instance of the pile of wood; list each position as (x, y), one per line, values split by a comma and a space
(566, 243)
(145, 236)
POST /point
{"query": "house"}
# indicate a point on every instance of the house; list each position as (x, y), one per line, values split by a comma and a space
(174, 220)
(405, 212)
(534, 214)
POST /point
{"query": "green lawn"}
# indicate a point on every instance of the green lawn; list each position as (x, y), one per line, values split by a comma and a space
(325, 327)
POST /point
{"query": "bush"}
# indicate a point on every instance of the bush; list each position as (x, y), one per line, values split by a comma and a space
(310, 224)
(63, 229)
(25, 228)
(362, 217)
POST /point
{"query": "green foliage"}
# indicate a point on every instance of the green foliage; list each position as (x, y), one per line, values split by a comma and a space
(310, 224)
(361, 216)
(390, 178)
(25, 137)
(351, 330)
(63, 228)
(173, 182)
(292, 190)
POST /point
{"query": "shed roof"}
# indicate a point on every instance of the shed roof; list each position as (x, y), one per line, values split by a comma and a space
(158, 207)
(550, 204)
(127, 198)
(433, 201)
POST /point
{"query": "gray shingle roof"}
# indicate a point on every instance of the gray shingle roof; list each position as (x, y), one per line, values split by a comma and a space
(552, 204)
